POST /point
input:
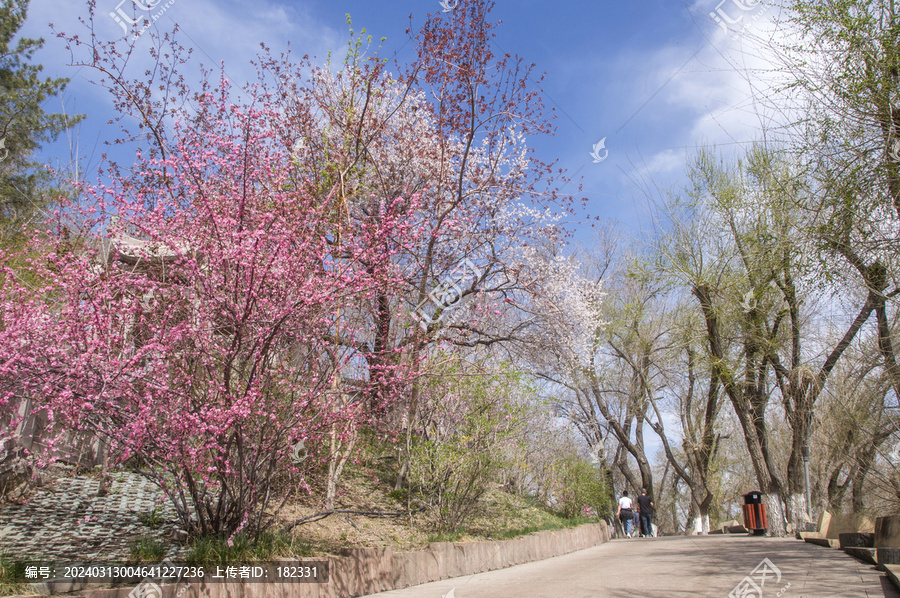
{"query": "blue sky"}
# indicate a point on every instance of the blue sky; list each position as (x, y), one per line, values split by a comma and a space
(655, 78)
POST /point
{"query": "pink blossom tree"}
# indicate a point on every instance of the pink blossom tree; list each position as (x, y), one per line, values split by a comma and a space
(187, 313)
(398, 180)
(451, 126)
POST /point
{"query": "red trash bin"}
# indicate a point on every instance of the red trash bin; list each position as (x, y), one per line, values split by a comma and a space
(755, 513)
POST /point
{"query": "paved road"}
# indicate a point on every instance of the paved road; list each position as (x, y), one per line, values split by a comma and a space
(674, 567)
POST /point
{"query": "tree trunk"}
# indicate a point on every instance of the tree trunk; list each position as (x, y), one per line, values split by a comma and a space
(866, 460)
(103, 488)
(748, 399)
(798, 510)
(340, 453)
(775, 513)
(699, 519)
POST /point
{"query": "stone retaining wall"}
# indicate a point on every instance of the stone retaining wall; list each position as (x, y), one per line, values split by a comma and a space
(362, 571)
(849, 524)
(831, 527)
(887, 540)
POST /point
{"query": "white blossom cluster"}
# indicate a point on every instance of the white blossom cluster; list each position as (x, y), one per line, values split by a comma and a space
(569, 308)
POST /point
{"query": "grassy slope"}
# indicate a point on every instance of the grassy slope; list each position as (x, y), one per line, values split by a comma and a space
(364, 487)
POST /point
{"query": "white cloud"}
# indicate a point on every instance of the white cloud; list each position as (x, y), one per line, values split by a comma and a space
(218, 31)
(667, 162)
(228, 31)
(726, 96)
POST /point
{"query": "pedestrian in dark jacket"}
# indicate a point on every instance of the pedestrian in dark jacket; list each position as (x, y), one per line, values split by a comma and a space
(645, 506)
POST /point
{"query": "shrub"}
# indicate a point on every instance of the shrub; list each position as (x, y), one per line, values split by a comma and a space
(579, 485)
(469, 427)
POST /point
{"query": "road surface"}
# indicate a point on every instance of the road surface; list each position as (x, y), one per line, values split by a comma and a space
(674, 567)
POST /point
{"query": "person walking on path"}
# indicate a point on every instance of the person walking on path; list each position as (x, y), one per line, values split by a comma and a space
(626, 513)
(645, 506)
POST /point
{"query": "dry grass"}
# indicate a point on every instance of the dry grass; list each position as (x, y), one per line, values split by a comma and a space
(501, 516)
